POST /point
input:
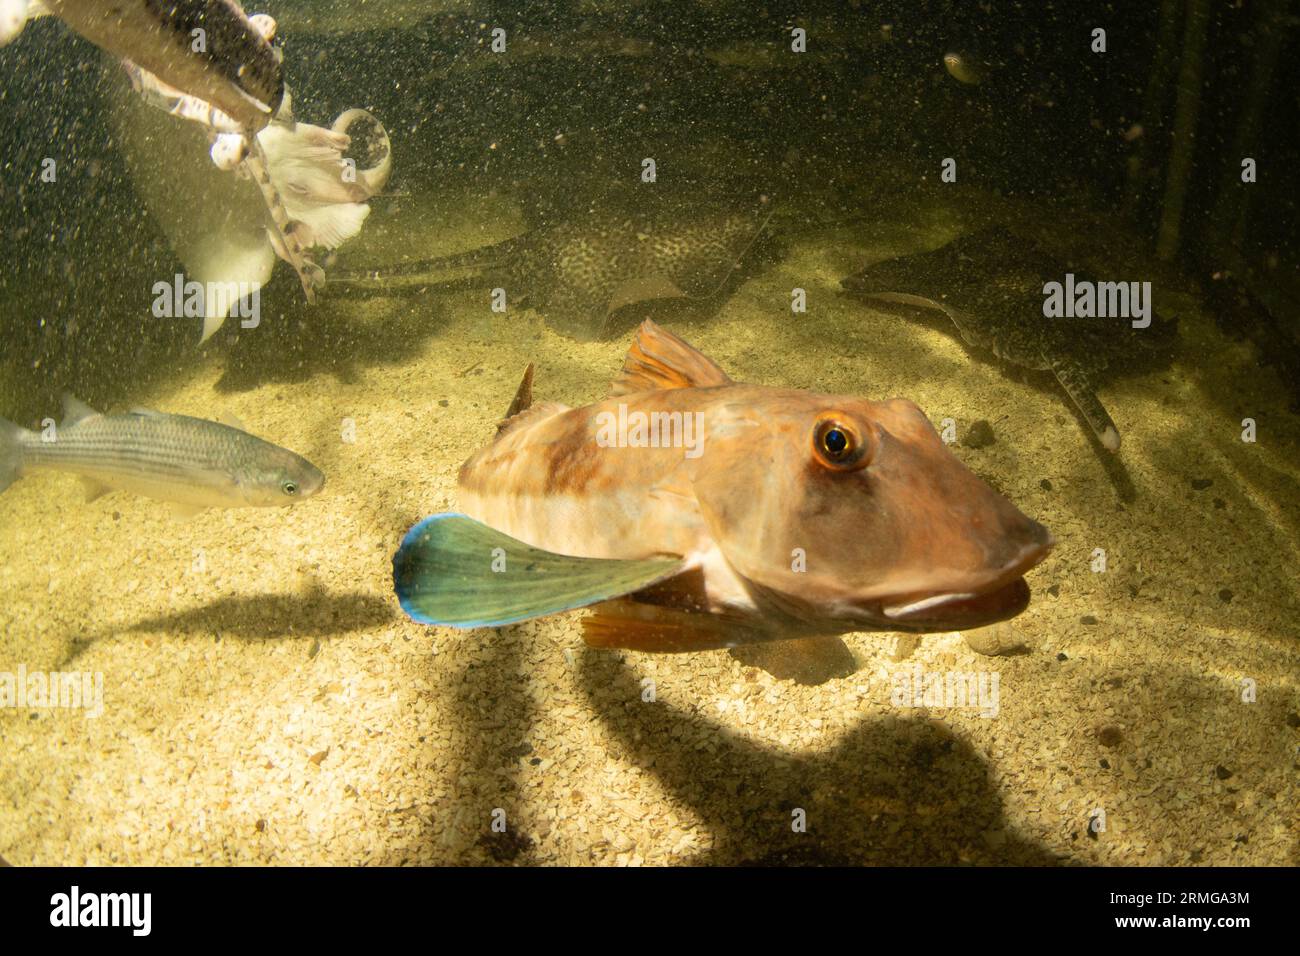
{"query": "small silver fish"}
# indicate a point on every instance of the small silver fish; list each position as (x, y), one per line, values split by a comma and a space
(191, 463)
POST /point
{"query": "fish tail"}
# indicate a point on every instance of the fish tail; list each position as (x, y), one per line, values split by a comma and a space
(287, 243)
(438, 270)
(11, 453)
(1079, 387)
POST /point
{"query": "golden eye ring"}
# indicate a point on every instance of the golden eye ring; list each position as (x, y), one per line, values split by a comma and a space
(841, 446)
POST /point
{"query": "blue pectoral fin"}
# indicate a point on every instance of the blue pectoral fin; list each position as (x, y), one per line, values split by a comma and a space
(456, 571)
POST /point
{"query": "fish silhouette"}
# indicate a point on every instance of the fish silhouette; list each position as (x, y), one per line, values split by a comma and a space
(990, 284)
(580, 271)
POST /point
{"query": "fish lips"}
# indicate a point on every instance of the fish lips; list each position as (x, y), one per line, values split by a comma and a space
(1005, 596)
(957, 611)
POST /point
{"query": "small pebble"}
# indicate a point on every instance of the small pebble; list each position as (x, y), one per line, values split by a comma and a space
(1109, 736)
(1054, 590)
(1061, 656)
(1088, 619)
(1222, 772)
(442, 402)
(994, 640)
(1045, 485)
(979, 435)
(905, 646)
(1225, 595)
(1200, 484)
(1293, 720)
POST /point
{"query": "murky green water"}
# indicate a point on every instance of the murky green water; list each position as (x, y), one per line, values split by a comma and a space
(263, 698)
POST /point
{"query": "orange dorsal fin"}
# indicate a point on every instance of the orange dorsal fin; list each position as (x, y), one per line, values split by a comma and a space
(659, 359)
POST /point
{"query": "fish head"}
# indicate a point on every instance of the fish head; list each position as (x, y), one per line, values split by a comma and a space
(276, 477)
(854, 515)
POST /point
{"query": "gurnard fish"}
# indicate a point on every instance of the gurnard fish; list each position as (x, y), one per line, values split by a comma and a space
(191, 463)
(234, 68)
(697, 513)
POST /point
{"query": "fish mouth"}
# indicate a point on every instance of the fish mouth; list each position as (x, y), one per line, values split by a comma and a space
(953, 611)
(1004, 596)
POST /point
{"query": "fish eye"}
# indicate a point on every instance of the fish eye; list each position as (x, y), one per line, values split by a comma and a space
(289, 487)
(839, 445)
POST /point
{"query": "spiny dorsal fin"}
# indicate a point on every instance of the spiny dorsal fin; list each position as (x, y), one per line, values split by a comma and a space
(75, 410)
(523, 397)
(523, 410)
(528, 415)
(659, 359)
